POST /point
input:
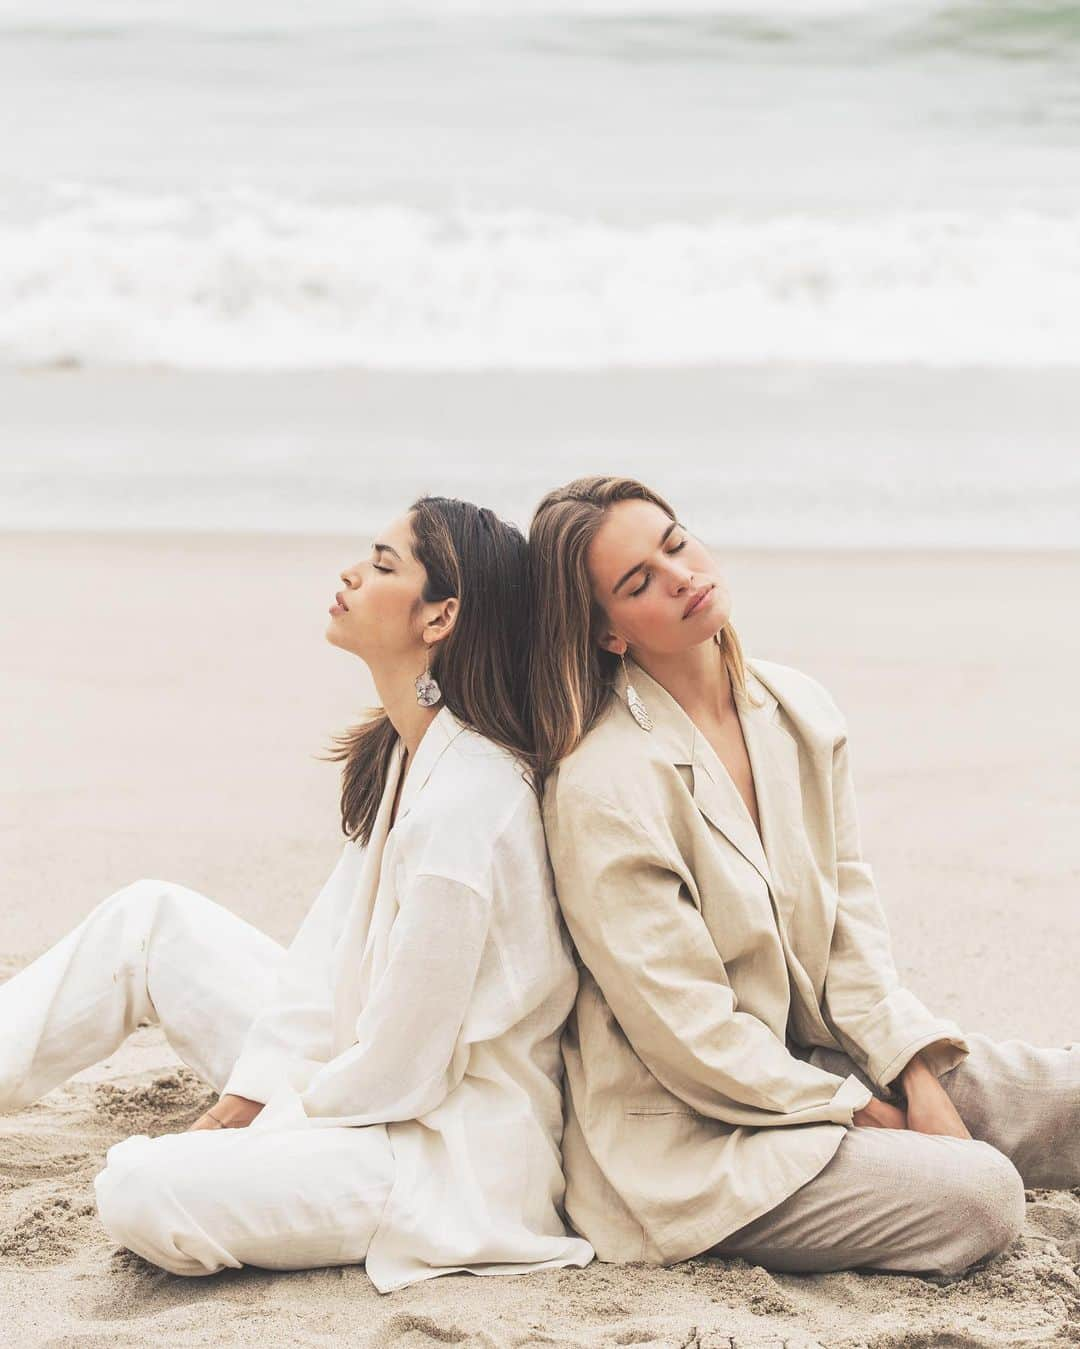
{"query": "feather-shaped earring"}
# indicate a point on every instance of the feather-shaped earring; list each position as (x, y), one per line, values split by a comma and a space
(637, 708)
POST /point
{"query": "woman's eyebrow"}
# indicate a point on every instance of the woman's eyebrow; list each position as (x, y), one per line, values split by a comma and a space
(626, 575)
(385, 548)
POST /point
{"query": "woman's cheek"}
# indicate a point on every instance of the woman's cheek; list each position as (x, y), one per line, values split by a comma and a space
(651, 617)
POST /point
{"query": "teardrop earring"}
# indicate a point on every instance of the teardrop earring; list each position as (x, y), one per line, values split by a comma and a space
(428, 692)
(637, 708)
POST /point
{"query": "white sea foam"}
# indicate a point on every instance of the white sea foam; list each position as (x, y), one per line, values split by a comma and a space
(242, 281)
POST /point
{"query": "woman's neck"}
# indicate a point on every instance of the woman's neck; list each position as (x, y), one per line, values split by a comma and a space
(697, 679)
(397, 695)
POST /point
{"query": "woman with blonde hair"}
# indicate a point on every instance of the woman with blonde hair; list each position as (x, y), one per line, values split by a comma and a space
(389, 1085)
(745, 1073)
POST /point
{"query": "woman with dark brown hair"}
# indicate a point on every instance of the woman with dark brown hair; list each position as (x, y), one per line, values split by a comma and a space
(390, 1084)
(745, 1073)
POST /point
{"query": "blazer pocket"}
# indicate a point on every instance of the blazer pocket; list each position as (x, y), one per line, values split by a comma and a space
(646, 1111)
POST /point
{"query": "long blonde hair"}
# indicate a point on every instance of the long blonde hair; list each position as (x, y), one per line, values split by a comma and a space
(571, 676)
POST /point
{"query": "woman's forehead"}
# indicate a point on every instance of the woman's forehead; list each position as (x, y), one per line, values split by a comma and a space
(629, 530)
(397, 534)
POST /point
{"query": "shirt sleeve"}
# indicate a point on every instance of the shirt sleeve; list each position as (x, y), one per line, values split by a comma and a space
(292, 1035)
(645, 942)
(880, 1024)
(409, 1052)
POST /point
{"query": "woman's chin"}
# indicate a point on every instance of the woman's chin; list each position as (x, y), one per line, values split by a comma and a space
(336, 637)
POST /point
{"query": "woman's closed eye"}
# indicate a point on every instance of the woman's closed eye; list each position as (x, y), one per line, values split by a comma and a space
(648, 574)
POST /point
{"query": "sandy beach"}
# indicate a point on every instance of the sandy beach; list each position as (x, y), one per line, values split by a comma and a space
(268, 272)
(165, 696)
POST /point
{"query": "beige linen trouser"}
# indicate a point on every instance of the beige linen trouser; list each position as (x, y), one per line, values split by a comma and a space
(893, 1199)
(193, 1203)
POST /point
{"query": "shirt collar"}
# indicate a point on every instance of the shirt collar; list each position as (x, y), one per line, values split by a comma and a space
(440, 734)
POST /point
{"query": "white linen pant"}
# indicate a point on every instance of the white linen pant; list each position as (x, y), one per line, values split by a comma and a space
(193, 1203)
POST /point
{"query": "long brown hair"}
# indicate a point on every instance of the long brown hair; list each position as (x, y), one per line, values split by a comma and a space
(482, 665)
(571, 676)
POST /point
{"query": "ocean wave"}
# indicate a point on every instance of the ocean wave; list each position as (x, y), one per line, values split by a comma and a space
(996, 28)
(239, 281)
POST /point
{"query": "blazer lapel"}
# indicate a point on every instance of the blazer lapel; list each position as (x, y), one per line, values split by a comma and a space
(719, 801)
(779, 854)
(680, 741)
(774, 761)
(774, 758)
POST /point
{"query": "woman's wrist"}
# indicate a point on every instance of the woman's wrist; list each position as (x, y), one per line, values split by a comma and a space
(234, 1111)
(915, 1075)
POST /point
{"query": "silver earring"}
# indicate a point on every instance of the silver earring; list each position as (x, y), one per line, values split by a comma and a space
(637, 708)
(428, 692)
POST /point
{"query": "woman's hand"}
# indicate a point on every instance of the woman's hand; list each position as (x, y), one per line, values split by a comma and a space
(929, 1109)
(230, 1112)
(879, 1115)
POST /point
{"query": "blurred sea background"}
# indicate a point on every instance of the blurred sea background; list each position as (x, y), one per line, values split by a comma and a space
(813, 268)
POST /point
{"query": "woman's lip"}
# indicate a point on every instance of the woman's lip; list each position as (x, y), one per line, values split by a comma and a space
(699, 601)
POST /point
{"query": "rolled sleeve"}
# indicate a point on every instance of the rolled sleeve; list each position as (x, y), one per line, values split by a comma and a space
(409, 1052)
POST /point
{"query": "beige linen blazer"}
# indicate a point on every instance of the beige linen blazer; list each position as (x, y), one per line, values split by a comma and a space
(706, 958)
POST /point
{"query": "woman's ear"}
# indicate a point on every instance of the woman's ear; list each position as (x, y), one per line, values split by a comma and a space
(439, 627)
(610, 641)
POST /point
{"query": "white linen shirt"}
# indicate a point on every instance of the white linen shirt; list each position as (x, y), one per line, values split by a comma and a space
(425, 992)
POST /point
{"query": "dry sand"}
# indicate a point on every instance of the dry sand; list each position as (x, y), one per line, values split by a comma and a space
(163, 697)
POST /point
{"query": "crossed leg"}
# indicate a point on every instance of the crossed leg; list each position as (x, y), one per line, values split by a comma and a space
(898, 1200)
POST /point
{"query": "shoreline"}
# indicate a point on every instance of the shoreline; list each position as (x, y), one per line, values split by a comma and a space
(773, 456)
